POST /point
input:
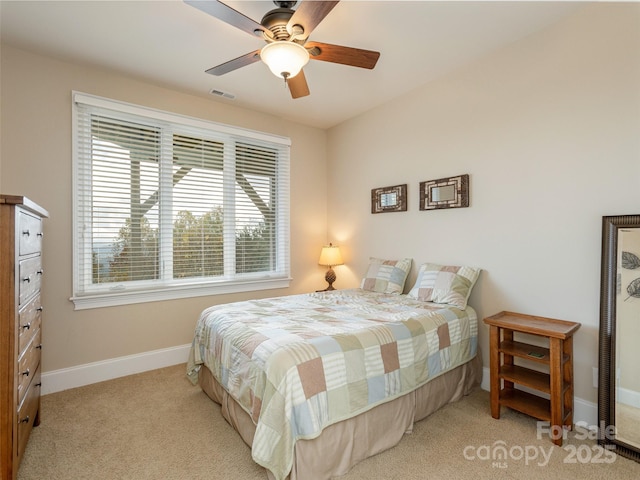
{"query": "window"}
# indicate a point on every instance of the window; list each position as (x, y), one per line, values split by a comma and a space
(167, 206)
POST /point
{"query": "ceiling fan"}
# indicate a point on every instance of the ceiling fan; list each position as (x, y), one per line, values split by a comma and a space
(286, 32)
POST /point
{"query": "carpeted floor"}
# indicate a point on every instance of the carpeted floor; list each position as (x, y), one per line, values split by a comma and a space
(156, 425)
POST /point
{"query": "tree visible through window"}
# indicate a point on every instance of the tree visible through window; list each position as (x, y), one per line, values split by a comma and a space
(163, 204)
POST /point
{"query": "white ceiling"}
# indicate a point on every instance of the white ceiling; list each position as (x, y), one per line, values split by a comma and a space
(171, 44)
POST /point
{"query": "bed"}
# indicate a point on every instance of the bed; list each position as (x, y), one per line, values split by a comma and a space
(315, 383)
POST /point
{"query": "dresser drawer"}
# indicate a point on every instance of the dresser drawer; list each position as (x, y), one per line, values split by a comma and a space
(28, 364)
(29, 322)
(30, 234)
(27, 412)
(30, 277)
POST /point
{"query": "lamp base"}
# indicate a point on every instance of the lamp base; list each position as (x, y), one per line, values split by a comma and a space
(330, 277)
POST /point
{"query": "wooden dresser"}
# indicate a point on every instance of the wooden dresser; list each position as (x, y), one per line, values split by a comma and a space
(21, 235)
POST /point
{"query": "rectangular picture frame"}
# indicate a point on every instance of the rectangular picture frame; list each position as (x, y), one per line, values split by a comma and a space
(448, 192)
(389, 199)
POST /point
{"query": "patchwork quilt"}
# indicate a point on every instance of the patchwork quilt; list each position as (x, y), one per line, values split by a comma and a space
(299, 363)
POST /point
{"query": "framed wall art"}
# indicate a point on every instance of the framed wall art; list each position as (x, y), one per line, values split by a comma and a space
(449, 192)
(389, 199)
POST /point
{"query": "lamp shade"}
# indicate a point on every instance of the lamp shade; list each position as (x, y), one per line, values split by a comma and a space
(330, 256)
(284, 59)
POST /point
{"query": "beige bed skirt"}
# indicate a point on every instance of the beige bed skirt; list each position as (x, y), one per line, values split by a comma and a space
(344, 444)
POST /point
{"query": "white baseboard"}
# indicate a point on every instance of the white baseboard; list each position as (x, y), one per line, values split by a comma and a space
(584, 412)
(65, 378)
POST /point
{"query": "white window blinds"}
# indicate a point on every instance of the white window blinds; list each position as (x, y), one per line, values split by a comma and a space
(168, 206)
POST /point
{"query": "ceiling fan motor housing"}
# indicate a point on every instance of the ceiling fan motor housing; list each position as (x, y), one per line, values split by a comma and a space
(276, 21)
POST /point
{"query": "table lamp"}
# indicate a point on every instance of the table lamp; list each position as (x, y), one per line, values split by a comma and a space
(329, 257)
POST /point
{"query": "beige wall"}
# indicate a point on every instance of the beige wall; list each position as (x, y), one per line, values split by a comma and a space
(0, 117)
(36, 162)
(548, 130)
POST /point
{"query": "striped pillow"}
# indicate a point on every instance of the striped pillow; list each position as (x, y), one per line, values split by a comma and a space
(444, 284)
(386, 276)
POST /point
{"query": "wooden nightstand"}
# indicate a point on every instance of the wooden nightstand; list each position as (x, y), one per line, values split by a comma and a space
(558, 359)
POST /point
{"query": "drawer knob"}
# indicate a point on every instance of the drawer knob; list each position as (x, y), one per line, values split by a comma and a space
(39, 384)
(26, 326)
(40, 234)
(39, 309)
(27, 279)
(25, 419)
(39, 347)
(26, 373)
(26, 232)
(40, 272)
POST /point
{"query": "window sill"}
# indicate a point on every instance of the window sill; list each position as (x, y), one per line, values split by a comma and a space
(172, 293)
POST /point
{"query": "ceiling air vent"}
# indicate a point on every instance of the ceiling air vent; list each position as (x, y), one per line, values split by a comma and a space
(220, 93)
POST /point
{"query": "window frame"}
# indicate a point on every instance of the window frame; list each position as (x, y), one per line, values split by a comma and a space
(86, 295)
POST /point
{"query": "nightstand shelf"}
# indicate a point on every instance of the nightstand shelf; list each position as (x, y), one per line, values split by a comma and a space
(556, 361)
(526, 377)
(533, 405)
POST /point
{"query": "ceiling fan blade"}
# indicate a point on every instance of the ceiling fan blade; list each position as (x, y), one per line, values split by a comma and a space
(234, 64)
(354, 57)
(309, 14)
(298, 85)
(228, 15)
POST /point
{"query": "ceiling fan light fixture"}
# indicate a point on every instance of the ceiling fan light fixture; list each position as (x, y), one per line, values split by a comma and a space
(284, 59)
